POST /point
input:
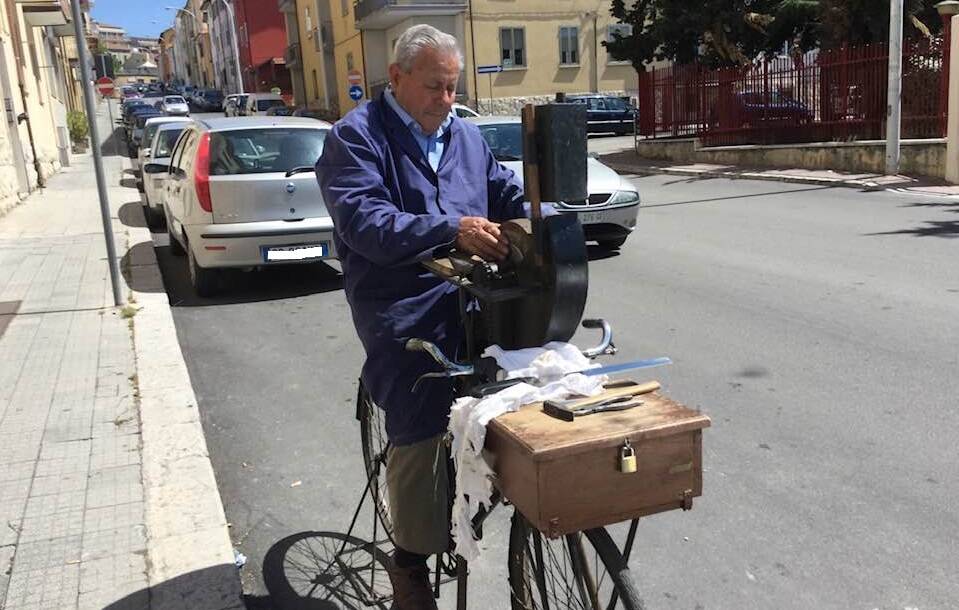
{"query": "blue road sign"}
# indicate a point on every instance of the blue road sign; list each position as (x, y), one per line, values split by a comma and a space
(488, 69)
(356, 92)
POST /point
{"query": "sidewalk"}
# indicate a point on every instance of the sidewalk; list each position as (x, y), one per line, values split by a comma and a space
(107, 496)
(626, 161)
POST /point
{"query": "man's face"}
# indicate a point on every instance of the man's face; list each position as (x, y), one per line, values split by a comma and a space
(428, 90)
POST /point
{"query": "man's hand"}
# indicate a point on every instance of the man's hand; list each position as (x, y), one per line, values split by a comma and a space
(479, 236)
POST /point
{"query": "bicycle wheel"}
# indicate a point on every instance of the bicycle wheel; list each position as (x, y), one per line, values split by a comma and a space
(373, 432)
(566, 572)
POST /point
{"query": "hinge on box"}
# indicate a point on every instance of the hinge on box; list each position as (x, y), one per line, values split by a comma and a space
(687, 499)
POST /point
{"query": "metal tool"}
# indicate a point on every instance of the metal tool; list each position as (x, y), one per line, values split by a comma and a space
(625, 366)
(618, 398)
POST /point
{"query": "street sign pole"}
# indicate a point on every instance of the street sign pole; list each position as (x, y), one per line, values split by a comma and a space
(894, 102)
(490, 111)
(113, 127)
(95, 146)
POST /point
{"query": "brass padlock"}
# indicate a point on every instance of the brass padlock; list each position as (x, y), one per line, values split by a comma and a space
(627, 458)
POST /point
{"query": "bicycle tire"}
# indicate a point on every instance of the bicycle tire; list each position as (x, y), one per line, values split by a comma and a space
(373, 436)
(301, 573)
(527, 581)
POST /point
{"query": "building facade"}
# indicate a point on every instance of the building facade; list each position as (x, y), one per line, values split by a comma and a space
(39, 85)
(165, 62)
(311, 53)
(220, 16)
(261, 32)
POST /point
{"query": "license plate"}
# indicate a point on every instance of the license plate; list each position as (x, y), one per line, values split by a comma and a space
(586, 218)
(295, 253)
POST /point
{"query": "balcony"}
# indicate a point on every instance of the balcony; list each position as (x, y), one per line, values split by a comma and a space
(292, 55)
(39, 13)
(383, 14)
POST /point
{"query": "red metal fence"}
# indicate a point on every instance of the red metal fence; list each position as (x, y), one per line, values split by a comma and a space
(819, 96)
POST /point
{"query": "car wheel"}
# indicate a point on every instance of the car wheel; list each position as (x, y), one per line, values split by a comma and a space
(612, 244)
(205, 281)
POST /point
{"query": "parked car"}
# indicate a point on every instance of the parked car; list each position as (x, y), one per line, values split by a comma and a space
(606, 113)
(464, 112)
(155, 169)
(230, 99)
(236, 106)
(175, 105)
(210, 100)
(279, 111)
(750, 108)
(129, 123)
(233, 188)
(128, 105)
(136, 133)
(259, 103)
(188, 91)
(149, 130)
(316, 113)
(608, 214)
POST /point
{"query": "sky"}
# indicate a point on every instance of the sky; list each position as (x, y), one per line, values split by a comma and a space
(136, 16)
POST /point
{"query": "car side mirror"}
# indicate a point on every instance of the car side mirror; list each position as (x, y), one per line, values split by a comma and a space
(155, 168)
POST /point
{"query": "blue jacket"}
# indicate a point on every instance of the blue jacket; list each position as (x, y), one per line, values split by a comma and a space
(391, 210)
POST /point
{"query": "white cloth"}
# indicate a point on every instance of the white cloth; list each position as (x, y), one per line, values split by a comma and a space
(469, 416)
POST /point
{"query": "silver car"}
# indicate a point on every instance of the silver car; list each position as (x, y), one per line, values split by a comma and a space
(242, 193)
(608, 215)
(155, 166)
(149, 130)
(175, 105)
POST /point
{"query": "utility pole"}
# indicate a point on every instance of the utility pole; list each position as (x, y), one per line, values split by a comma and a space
(97, 157)
(894, 101)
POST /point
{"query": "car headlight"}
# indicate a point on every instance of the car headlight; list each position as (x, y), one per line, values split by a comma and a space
(622, 197)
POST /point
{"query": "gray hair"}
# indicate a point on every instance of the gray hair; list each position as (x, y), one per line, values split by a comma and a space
(421, 37)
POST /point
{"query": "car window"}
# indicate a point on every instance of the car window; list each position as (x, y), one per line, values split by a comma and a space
(260, 151)
(150, 131)
(165, 141)
(614, 103)
(505, 140)
(177, 161)
(267, 104)
(174, 99)
(596, 103)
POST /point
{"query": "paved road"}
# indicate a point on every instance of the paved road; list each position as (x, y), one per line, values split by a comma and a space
(817, 326)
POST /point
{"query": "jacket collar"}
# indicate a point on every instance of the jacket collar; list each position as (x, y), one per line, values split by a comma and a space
(400, 133)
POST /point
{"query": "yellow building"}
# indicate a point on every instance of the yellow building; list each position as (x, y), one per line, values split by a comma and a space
(324, 46)
(201, 42)
(543, 47)
(39, 83)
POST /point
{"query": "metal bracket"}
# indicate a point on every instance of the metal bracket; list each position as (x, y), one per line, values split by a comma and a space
(687, 499)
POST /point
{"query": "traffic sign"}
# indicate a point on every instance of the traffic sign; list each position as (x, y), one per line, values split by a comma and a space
(488, 69)
(106, 86)
(354, 77)
(356, 92)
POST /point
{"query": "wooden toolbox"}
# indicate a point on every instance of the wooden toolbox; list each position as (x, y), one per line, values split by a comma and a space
(567, 476)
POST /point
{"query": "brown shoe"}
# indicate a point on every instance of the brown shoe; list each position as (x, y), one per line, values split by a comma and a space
(411, 588)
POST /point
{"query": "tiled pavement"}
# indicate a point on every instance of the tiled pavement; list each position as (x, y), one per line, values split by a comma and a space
(72, 527)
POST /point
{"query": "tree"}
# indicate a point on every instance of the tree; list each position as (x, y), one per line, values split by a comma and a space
(117, 64)
(733, 32)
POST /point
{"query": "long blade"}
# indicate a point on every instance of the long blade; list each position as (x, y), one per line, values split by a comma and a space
(627, 366)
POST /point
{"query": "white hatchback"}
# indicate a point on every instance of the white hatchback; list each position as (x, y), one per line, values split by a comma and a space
(241, 192)
(155, 166)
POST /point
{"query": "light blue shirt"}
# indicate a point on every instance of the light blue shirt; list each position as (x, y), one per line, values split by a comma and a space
(431, 144)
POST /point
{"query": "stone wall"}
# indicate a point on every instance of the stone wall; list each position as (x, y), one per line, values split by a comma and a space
(512, 106)
(918, 157)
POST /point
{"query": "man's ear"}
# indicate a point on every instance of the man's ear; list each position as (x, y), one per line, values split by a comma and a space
(394, 72)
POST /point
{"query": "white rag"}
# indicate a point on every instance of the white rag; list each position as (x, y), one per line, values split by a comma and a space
(468, 418)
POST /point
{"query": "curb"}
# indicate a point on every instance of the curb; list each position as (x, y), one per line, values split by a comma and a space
(865, 185)
(190, 559)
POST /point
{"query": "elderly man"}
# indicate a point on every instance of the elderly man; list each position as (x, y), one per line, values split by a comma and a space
(406, 180)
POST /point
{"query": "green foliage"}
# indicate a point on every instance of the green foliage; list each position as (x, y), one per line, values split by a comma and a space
(78, 126)
(733, 32)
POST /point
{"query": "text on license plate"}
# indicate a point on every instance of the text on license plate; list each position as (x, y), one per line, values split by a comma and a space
(295, 253)
(591, 217)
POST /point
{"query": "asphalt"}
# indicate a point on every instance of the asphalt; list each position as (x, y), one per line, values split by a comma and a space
(816, 325)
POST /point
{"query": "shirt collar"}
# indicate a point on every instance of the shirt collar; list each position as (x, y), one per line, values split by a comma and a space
(410, 122)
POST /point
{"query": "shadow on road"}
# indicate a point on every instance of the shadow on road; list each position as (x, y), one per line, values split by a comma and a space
(130, 183)
(131, 214)
(326, 571)
(239, 286)
(948, 229)
(114, 145)
(733, 197)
